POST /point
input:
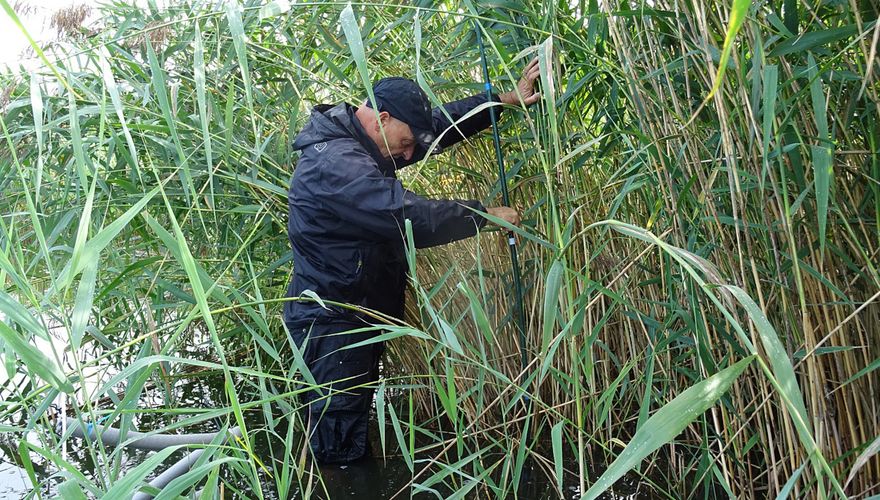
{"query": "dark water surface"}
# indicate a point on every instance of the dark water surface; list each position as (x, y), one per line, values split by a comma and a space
(372, 478)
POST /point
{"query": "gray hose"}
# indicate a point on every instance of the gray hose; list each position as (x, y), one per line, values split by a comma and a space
(178, 469)
(142, 441)
(155, 442)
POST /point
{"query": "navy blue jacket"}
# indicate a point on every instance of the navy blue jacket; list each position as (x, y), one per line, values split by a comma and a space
(347, 210)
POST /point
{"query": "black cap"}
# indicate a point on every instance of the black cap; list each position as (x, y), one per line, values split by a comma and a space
(403, 99)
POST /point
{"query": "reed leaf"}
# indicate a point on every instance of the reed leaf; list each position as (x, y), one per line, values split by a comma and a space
(668, 422)
(135, 477)
(37, 363)
(738, 12)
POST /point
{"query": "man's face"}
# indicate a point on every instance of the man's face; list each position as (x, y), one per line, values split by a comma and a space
(399, 142)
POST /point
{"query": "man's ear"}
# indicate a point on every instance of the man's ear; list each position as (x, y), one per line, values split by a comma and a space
(382, 121)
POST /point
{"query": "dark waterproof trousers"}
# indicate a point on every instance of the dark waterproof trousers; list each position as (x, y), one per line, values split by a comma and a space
(338, 412)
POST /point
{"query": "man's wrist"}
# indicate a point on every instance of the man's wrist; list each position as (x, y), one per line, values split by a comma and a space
(478, 219)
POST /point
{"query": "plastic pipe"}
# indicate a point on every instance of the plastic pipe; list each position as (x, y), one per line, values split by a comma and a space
(141, 440)
(152, 442)
(180, 468)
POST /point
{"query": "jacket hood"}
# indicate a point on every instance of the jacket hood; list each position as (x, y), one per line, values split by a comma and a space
(337, 122)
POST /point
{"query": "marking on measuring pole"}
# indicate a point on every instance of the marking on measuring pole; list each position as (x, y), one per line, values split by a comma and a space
(511, 241)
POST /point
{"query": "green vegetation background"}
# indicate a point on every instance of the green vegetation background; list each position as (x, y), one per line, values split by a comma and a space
(701, 190)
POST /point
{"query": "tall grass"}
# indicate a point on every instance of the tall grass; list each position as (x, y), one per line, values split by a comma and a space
(700, 186)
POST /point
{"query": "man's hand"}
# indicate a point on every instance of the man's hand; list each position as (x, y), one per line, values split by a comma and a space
(526, 87)
(508, 214)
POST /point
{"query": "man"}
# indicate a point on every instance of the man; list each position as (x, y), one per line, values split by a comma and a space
(347, 211)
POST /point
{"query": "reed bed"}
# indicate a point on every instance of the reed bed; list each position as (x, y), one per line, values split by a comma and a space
(700, 185)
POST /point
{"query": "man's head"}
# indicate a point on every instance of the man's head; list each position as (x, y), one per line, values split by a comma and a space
(404, 115)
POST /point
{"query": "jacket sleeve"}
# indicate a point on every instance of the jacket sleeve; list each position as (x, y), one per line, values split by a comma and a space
(356, 192)
(466, 128)
(463, 129)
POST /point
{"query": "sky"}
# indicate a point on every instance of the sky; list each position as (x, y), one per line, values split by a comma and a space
(13, 42)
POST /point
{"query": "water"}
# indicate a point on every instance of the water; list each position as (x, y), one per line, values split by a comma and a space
(13, 479)
(369, 479)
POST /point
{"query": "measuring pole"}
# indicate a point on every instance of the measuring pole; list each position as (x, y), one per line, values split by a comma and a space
(502, 178)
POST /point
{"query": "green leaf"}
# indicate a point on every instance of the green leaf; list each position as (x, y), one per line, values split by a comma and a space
(481, 319)
(70, 490)
(556, 440)
(864, 371)
(174, 247)
(199, 78)
(179, 484)
(356, 46)
(82, 230)
(13, 310)
(863, 458)
(449, 338)
(76, 141)
(239, 40)
(785, 491)
(274, 8)
(768, 113)
(37, 108)
(92, 248)
(129, 484)
(790, 15)
(35, 361)
(380, 413)
(82, 308)
(195, 279)
(551, 301)
(667, 423)
(813, 39)
(737, 15)
(776, 354)
(822, 156)
(782, 376)
(24, 458)
(516, 229)
(548, 95)
(113, 89)
(401, 441)
(393, 333)
(159, 88)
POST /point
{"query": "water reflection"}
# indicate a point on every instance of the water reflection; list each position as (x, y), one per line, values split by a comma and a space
(368, 479)
(13, 479)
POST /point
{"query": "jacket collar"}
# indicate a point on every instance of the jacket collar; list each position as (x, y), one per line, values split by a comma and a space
(353, 125)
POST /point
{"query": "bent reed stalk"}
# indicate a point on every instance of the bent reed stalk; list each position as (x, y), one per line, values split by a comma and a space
(700, 271)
